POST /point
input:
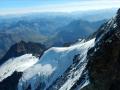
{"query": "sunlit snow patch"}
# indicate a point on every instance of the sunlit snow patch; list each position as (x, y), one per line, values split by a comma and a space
(17, 64)
(52, 64)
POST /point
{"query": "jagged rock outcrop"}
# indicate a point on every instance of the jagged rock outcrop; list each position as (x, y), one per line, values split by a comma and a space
(104, 58)
(22, 48)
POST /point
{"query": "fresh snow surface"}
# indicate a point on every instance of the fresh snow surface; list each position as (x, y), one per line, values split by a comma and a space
(77, 71)
(17, 64)
(54, 62)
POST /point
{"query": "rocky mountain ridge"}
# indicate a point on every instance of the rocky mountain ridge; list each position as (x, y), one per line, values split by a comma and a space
(22, 48)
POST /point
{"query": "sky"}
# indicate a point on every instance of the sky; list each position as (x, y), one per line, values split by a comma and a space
(29, 6)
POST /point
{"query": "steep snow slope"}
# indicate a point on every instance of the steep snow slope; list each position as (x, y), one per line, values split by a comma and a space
(17, 64)
(104, 57)
(75, 73)
(52, 65)
(103, 63)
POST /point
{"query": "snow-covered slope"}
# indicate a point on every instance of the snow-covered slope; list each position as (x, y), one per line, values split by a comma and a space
(19, 64)
(52, 65)
(42, 73)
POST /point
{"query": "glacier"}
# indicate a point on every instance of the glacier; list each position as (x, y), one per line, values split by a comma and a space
(54, 62)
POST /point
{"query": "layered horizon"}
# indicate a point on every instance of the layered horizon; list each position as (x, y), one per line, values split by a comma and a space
(31, 6)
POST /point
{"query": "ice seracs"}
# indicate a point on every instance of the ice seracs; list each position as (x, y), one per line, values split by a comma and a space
(52, 65)
(41, 73)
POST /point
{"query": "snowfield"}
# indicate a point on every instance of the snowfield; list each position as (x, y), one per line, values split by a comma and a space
(19, 64)
(41, 73)
(54, 62)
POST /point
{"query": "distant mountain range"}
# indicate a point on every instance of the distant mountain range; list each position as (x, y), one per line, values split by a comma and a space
(75, 30)
(51, 29)
(45, 33)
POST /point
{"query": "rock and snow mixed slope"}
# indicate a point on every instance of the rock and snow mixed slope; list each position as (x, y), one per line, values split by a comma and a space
(102, 71)
(18, 64)
(42, 73)
(21, 48)
(52, 65)
(104, 57)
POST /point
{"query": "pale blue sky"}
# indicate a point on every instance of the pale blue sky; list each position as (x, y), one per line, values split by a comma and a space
(27, 6)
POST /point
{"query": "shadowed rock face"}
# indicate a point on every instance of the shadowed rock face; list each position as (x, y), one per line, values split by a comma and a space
(118, 18)
(11, 82)
(22, 48)
(104, 58)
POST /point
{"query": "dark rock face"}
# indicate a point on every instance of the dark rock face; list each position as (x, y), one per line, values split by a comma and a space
(118, 18)
(104, 58)
(22, 48)
(11, 82)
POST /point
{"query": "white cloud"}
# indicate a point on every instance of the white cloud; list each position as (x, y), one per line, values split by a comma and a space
(67, 7)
